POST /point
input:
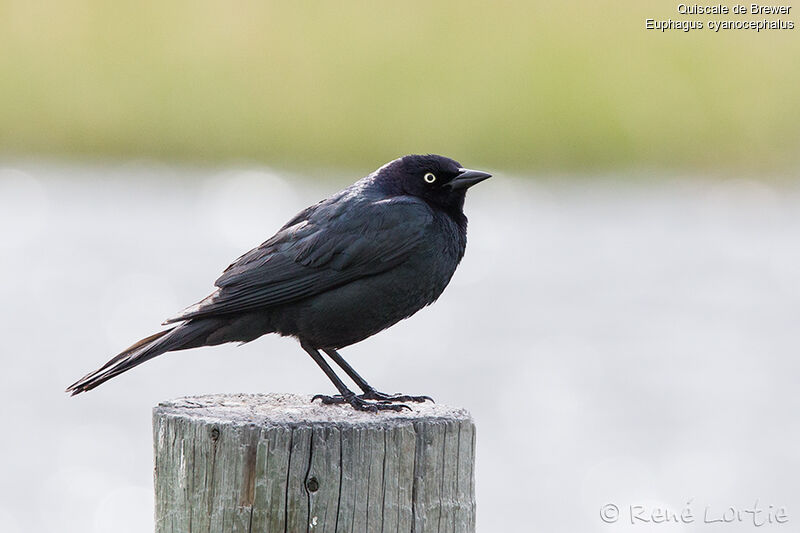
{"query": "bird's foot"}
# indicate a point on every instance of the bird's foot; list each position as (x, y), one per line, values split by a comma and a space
(372, 394)
(359, 403)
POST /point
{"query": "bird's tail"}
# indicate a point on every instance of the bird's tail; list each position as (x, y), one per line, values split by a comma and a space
(187, 335)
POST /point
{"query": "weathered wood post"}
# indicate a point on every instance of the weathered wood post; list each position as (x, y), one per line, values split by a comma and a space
(276, 462)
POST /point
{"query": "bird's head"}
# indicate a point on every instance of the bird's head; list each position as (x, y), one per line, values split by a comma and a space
(437, 179)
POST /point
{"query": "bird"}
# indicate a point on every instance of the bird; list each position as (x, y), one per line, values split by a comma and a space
(338, 272)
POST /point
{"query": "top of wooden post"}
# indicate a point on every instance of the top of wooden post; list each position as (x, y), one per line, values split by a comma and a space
(277, 409)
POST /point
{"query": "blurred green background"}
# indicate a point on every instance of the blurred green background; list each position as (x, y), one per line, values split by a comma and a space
(527, 86)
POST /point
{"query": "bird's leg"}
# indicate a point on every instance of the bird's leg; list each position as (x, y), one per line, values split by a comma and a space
(345, 395)
(369, 391)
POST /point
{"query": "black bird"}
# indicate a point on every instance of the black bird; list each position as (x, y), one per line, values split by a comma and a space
(338, 272)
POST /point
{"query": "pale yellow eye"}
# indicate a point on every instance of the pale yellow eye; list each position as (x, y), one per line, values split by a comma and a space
(429, 178)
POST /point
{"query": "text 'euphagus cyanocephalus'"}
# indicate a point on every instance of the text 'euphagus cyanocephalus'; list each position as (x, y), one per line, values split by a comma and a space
(338, 272)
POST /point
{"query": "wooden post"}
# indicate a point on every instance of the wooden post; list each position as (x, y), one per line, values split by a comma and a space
(279, 463)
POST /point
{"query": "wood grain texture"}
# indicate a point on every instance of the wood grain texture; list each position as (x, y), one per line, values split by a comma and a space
(279, 463)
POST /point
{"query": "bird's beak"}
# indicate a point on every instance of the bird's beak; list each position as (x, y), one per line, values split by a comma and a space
(467, 178)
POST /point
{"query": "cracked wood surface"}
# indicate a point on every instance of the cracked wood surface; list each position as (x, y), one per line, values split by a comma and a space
(278, 463)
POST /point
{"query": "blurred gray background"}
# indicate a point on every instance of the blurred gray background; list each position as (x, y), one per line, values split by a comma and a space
(616, 341)
(624, 326)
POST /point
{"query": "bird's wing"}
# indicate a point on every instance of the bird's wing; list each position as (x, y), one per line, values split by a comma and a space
(323, 247)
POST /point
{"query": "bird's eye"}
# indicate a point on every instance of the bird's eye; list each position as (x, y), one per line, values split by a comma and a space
(429, 178)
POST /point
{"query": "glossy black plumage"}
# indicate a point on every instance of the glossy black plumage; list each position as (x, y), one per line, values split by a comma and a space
(337, 273)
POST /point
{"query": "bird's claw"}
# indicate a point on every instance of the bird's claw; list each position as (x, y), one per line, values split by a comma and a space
(391, 398)
(359, 403)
